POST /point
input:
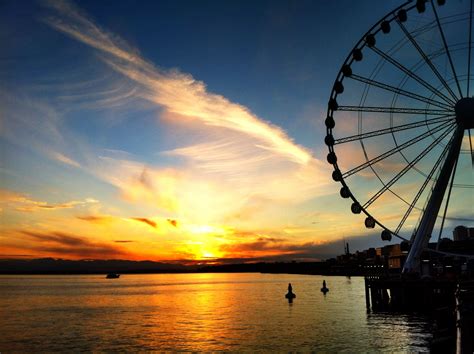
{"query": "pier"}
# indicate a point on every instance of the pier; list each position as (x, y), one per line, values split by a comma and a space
(449, 301)
(400, 294)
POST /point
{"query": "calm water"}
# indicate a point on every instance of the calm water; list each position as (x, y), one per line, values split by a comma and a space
(200, 312)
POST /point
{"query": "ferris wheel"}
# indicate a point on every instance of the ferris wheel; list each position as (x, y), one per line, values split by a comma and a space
(399, 123)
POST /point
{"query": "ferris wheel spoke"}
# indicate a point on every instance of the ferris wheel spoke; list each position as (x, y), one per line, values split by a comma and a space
(467, 186)
(405, 111)
(470, 146)
(446, 48)
(398, 128)
(422, 188)
(469, 53)
(426, 59)
(399, 91)
(394, 110)
(396, 149)
(412, 75)
(407, 168)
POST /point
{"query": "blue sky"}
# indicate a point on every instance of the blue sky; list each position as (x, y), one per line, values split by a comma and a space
(120, 117)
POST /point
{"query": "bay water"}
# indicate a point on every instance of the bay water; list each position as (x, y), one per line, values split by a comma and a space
(198, 312)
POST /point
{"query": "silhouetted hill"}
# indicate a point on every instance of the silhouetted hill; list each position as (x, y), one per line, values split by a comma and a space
(61, 266)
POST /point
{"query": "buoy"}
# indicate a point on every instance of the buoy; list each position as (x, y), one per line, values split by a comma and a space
(324, 289)
(290, 295)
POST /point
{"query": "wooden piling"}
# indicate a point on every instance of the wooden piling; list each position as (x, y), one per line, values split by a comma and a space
(367, 297)
(465, 318)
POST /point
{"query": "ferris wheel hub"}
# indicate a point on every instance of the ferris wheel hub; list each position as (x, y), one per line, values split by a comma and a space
(465, 112)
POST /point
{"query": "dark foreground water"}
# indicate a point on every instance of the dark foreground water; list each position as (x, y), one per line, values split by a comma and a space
(197, 312)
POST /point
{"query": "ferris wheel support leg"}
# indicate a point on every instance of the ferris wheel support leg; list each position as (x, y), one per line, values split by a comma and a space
(425, 228)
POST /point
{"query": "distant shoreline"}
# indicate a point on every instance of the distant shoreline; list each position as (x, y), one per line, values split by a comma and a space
(196, 272)
(48, 266)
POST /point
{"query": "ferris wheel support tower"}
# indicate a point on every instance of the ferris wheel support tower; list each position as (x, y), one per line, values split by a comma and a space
(425, 229)
(464, 109)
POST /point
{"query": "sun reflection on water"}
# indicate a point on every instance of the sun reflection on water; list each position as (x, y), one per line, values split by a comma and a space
(197, 312)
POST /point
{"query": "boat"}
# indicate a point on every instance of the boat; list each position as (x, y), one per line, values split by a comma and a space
(112, 276)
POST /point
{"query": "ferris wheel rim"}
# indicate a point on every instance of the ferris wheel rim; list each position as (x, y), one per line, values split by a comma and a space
(392, 16)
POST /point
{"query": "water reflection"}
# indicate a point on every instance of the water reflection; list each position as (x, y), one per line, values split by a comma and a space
(197, 312)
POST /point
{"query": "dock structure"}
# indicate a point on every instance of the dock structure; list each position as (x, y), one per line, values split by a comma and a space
(404, 294)
(449, 301)
(465, 318)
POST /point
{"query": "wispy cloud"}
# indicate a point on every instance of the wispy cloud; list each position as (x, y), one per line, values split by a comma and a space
(173, 222)
(64, 159)
(284, 249)
(21, 202)
(239, 147)
(147, 221)
(70, 245)
(23, 118)
(179, 93)
(99, 219)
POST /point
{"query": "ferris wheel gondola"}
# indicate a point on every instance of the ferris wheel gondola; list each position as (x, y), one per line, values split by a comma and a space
(399, 120)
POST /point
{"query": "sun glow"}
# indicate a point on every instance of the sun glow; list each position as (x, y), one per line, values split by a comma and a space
(208, 255)
(201, 178)
(206, 230)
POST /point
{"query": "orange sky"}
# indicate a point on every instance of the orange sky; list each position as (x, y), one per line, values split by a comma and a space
(117, 145)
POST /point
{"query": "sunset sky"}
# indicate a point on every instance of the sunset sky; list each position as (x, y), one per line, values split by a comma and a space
(173, 130)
